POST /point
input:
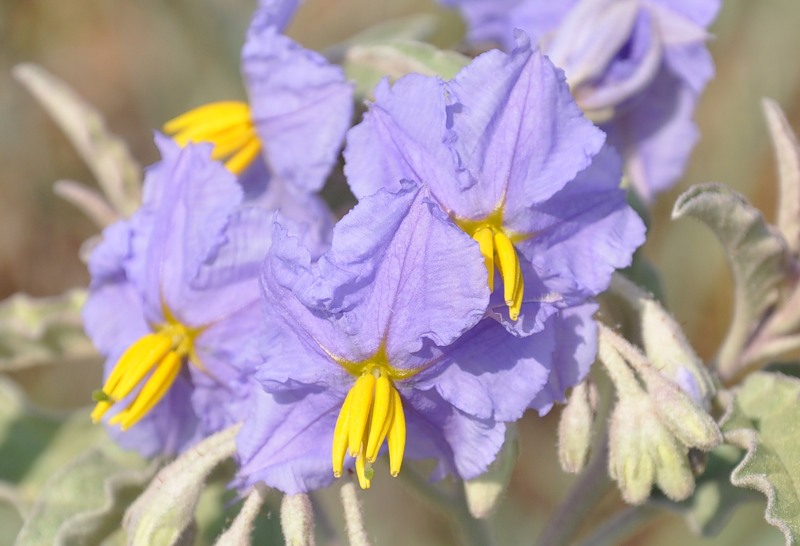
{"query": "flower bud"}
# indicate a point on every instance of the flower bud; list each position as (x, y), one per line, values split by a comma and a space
(670, 352)
(575, 427)
(643, 451)
(484, 491)
(629, 461)
(690, 423)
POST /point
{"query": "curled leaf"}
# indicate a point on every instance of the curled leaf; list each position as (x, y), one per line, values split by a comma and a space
(756, 253)
(106, 155)
(787, 159)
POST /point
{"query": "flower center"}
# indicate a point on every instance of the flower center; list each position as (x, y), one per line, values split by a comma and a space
(371, 413)
(228, 125)
(162, 353)
(497, 248)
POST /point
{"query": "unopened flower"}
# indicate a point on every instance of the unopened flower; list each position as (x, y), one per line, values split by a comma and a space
(506, 153)
(174, 300)
(637, 67)
(298, 111)
(653, 425)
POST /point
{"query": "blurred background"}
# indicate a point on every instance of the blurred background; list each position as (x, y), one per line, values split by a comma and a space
(141, 63)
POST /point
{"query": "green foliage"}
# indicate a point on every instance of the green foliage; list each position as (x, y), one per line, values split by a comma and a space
(164, 513)
(36, 331)
(756, 254)
(116, 171)
(787, 158)
(84, 502)
(764, 420)
(715, 499)
(367, 64)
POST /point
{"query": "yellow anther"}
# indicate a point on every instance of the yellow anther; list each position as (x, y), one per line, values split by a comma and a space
(161, 355)
(134, 364)
(341, 435)
(497, 247)
(360, 407)
(509, 266)
(380, 413)
(397, 434)
(99, 410)
(486, 242)
(144, 355)
(244, 157)
(228, 125)
(519, 291)
(151, 394)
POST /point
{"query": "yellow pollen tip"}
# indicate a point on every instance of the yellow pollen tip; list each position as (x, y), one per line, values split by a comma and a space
(227, 125)
(371, 413)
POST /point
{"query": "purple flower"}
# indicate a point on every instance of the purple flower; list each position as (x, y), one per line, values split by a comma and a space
(506, 153)
(354, 345)
(299, 108)
(383, 340)
(637, 67)
(173, 302)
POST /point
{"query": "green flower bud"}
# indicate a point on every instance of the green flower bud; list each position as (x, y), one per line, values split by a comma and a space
(643, 452)
(575, 427)
(690, 423)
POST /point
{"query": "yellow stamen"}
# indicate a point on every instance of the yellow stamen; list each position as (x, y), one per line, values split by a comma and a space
(509, 266)
(152, 392)
(372, 413)
(228, 125)
(360, 407)
(380, 412)
(397, 435)
(341, 436)
(486, 243)
(159, 354)
(497, 247)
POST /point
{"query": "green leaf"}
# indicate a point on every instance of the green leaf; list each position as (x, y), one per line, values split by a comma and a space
(787, 158)
(165, 511)
(84, 502)
(756, 254)
(36, 331)
(106, 155)
(764, 420)
(367, 64)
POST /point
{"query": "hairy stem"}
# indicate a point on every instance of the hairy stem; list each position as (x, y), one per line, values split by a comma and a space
(587, 490)
(474, 532)
(353, 515)
(620, 526)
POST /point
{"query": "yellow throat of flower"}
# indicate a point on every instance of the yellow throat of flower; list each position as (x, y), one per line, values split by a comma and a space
(162, 353)
(497, 248)
(371, 413)
(228, 125)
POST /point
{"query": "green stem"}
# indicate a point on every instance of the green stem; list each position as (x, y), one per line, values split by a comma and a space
(620, 526)
(474, 532)
(587, 490)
